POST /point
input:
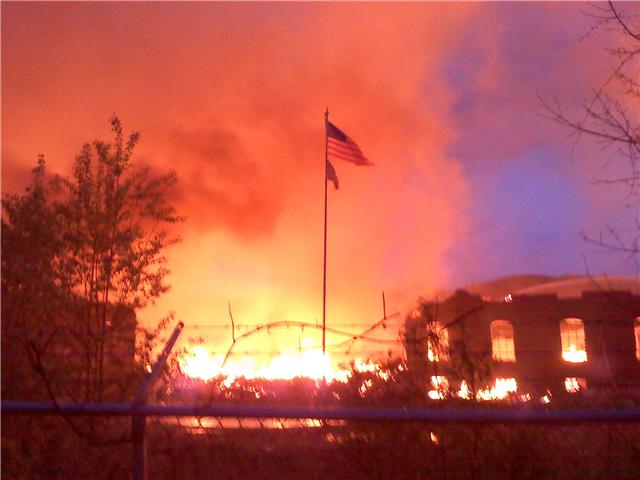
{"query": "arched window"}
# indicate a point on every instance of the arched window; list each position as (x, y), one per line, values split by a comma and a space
(636, 329)
(502, 346)
(437, 342)
(574, 348)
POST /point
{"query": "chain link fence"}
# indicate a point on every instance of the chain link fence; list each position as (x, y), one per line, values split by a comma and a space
(240, 442)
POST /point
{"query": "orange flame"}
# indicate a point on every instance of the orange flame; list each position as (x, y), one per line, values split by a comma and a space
(501, 389)
(574, 354)
(313, 364)
(574, 384)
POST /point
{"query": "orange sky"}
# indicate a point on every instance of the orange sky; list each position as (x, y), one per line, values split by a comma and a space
(441, 97)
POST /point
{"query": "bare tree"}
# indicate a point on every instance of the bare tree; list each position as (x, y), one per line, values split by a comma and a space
(611, 117)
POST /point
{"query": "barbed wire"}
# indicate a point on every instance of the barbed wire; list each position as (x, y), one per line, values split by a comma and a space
(355, 350)
(197, 326)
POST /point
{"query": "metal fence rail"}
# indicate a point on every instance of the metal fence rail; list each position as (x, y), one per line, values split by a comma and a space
(502, 415)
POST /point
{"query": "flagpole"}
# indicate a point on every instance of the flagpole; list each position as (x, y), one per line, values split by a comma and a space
(324, 261)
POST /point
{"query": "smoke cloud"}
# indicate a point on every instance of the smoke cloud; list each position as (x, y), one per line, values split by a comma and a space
(441, 97)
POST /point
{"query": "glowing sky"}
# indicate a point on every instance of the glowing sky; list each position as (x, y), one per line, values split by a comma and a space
(470, 182)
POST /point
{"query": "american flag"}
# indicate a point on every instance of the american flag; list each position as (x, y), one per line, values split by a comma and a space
(339, 145)
(332, 175)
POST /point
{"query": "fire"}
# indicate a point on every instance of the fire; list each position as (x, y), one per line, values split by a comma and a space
(438, 344)
(199, 364)
(366, 385)
(315, 365)
(574, 355)
(464, 390)
(312, 364)
(574, 384)
(502, 388)
(440, 388)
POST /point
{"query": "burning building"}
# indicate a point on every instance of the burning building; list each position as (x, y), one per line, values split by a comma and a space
(566, 336)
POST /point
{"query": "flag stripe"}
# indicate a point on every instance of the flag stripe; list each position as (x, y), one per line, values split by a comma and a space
(352, 152)
(350, 159)
(344, 155)
(357, 161)
(352, 147)
(345, 151)
(355, 154)
(347, 141)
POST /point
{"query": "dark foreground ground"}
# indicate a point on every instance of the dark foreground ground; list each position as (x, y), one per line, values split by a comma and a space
(47, 447)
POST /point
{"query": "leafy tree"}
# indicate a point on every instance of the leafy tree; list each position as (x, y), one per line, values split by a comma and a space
(31, 295)
(79, 255)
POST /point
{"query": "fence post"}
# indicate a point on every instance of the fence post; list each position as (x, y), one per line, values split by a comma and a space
(139, 446)
(138, 420)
